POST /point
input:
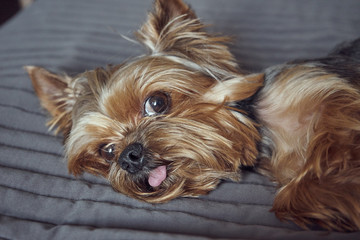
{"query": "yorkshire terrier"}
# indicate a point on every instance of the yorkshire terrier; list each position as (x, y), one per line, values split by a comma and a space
(177, 121)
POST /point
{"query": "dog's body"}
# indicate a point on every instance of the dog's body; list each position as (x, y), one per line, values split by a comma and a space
(178, 120)
(310, 117)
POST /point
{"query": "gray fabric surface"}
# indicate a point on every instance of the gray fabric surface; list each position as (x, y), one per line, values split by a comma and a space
(40, 200)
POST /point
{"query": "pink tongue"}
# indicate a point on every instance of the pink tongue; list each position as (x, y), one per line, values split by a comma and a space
(157, 176)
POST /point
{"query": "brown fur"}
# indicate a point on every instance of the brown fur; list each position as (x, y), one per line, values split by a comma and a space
(305, 134)
(315, 136)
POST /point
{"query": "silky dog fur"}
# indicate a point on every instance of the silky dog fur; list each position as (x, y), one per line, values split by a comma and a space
(178, 120)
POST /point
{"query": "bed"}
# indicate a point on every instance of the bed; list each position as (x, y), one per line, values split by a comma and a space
(39, 199)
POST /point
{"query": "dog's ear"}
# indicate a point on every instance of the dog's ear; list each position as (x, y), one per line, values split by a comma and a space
(169, 19)
(174, 30)
(55, 95)
(234, 89)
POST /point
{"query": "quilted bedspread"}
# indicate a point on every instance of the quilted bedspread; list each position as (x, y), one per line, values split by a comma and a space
(39, 199)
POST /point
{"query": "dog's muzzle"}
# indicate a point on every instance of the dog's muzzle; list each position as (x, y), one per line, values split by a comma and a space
(132, 159)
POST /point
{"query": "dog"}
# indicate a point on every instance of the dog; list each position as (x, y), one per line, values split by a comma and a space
(178, 120)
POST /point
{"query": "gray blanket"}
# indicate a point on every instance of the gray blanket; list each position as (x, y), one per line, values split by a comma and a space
(40, 200)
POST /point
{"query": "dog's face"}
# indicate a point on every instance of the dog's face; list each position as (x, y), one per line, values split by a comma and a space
(159, 126)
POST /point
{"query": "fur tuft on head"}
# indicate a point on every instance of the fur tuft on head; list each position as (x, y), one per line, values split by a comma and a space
(174, 31)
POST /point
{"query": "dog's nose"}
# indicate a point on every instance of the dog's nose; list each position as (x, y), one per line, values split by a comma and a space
(132, 158)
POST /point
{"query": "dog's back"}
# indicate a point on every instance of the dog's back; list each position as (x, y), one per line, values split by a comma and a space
(348, 49)
(344, 61)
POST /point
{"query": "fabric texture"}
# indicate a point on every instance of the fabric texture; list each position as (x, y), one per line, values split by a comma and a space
(38, 197)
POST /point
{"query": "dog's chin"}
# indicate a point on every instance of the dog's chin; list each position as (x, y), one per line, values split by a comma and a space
(147, 181)
(150, 180)
(163, 182)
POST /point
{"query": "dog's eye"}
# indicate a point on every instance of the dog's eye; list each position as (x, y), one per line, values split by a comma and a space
(156, 104)
(107, 152)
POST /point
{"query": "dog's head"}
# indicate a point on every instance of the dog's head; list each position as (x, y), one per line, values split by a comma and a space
(161, 125)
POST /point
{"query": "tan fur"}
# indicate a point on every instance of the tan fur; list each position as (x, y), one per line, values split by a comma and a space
(195, 139)
(315, 134)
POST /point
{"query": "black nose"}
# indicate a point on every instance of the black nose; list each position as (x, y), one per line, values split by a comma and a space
(132, 158)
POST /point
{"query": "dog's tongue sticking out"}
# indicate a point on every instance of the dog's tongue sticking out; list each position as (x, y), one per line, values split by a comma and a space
(157, 176)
